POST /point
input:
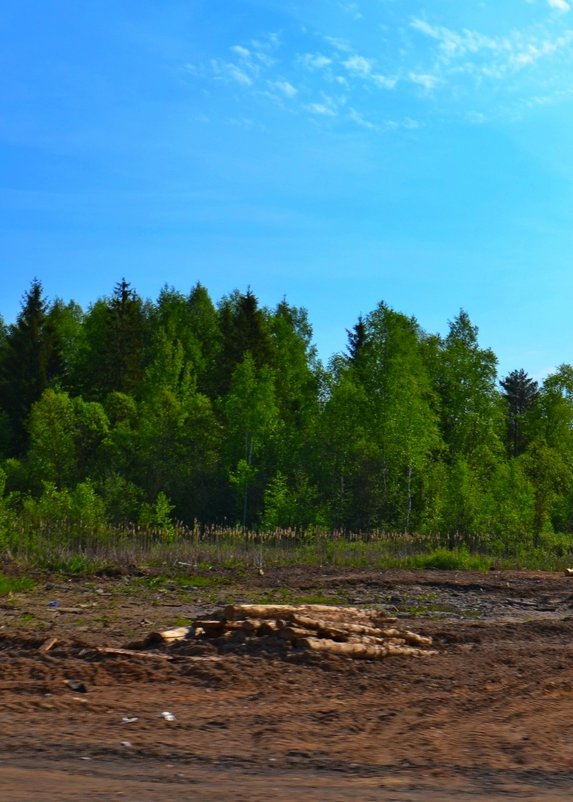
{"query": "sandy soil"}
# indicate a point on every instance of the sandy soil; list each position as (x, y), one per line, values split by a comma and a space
(489, 717)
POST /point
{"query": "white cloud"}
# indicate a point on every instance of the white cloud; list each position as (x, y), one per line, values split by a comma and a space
(407, 124)
(327, 108)
(424, 79)
(492, 57)
(356, 117)
(384, 81)
(321, 108)
(358, 65)
(338, 44)
(351, 8)
(226, 71)
(503, 68)
(286, 88)
(362, 67)
(315, 61)
(241, 51)
(264, 47)
(454, 44)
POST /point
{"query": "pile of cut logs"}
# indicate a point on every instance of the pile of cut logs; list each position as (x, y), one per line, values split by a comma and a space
(350, 631)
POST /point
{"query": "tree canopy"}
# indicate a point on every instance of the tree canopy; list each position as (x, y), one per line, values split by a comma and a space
(210, 412)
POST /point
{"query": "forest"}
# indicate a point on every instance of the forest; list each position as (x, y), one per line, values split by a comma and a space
(185, 412)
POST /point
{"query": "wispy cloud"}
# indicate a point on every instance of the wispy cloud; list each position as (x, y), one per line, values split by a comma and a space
(328, 107)
(353, 9)
(286, 88)
(424, 80)
(227, 71)
(452, 70)
(315, 61)
(358, 65)
(364, 68)
(560, 5)
(485, 57)
(241, 51)
(360, 120)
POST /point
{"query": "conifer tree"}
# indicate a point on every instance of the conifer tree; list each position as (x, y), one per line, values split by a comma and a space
(29, 361)
(520, 393)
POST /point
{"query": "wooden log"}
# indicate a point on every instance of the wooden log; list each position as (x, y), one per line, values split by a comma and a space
(344, 631)
(410, 651)
(247, 625)
(333, 613)
(356, 650)
(233, 612)
(47, 645)
(209, 625)
(293, 633)
(371, 640)
(169, 635)
(569, 572)
(407, 635)
(360, 651)
(133, 653)
(267, 629)
(325, 629)
(328, 629)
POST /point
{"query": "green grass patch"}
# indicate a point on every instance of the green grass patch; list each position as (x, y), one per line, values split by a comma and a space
(446, 560)
(15, 584)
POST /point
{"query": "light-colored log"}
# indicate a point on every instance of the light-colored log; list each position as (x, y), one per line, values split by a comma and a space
(134, 653)
(407, 635)
(409, 651)
(361, 651)
(170, 635)
(343, 630)
(232, 612)
(371, 640)
(330, 629)
(356, 650)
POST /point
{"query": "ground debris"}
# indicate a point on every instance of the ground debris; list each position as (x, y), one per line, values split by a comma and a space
(347, 631)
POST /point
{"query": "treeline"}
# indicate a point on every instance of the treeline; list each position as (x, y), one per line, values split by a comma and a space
(186, 410)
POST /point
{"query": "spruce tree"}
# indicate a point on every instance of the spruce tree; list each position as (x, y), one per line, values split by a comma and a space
(520, 393)
(28, 363)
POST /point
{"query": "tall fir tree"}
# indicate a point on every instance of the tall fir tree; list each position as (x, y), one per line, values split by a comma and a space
(520, 393)
(114, 352)
(29, 362)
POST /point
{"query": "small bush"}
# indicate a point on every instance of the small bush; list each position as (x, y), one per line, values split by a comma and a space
(455, 560)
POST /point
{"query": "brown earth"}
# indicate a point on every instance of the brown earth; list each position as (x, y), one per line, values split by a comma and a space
(489, 717)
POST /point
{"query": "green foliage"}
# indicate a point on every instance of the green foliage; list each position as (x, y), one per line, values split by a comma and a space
(158, 516)
(451, 560)
(15, 584)
(137, 413)
(80, 507)
(28, 362)
(278, 505)
(122, 499)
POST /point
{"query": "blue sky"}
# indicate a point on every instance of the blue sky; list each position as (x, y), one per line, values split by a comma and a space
(335, 152)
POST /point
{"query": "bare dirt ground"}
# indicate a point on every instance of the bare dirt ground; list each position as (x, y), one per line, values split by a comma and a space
(489, 717)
